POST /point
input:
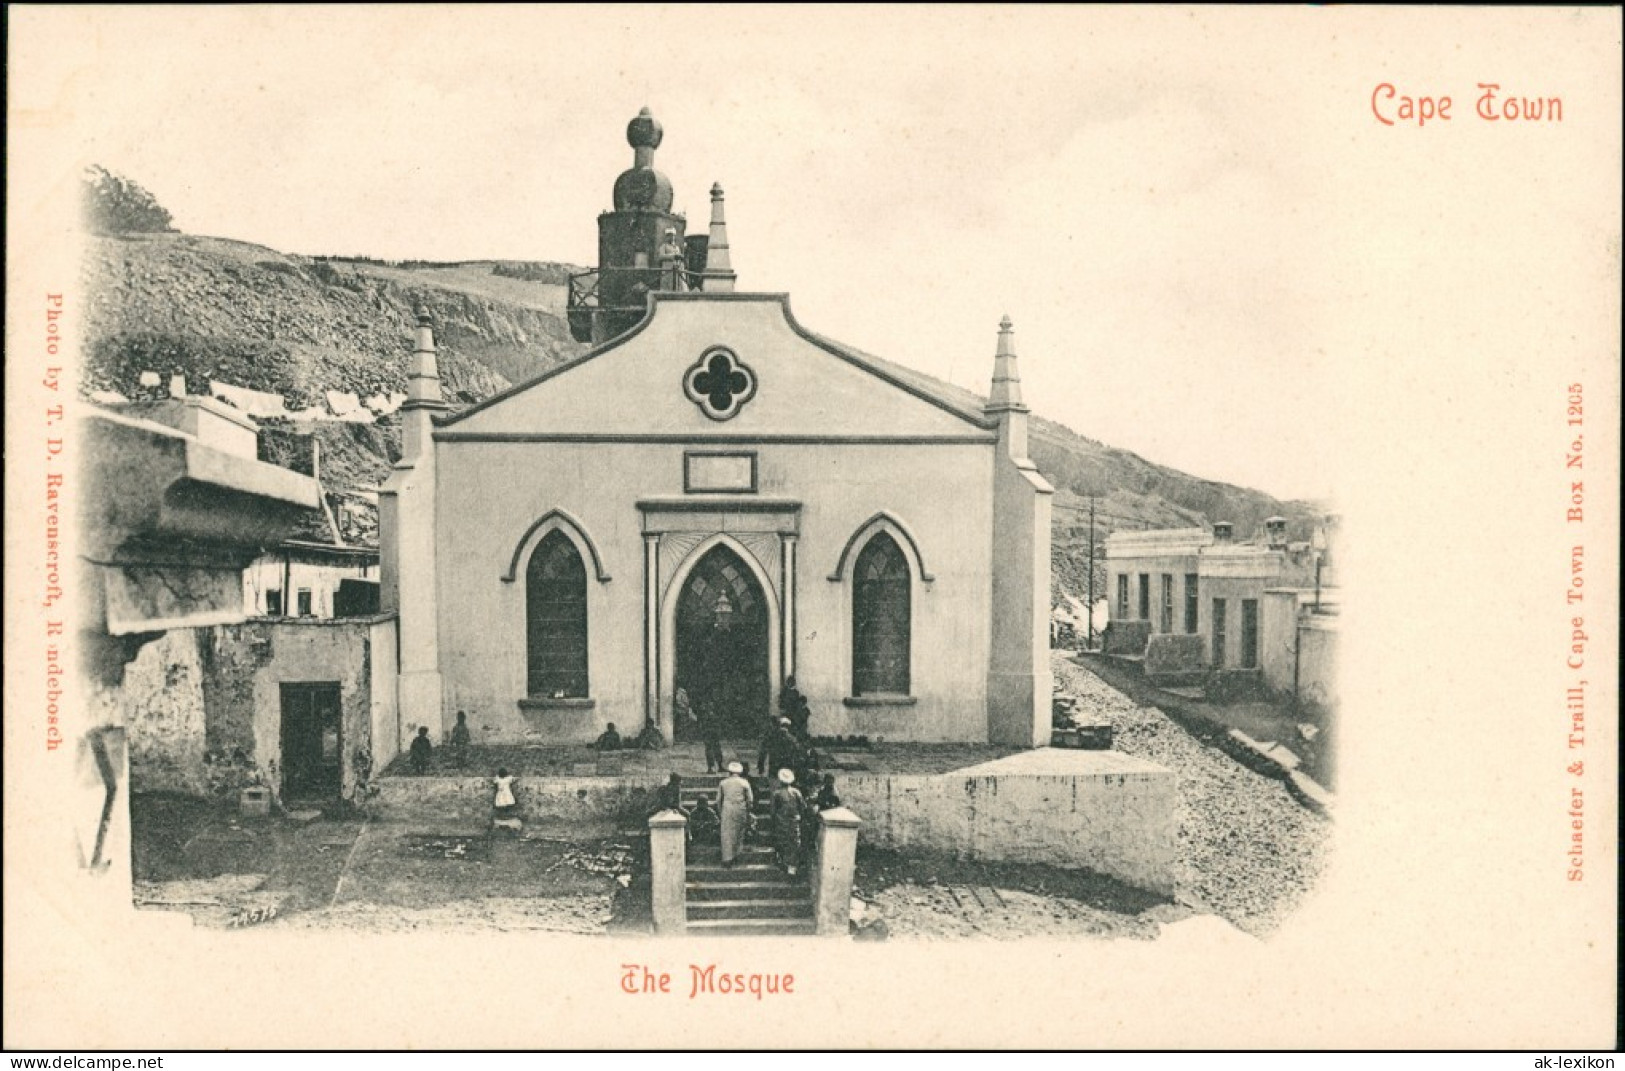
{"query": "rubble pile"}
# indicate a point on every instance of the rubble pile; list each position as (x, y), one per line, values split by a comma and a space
(466, 848)
(611, 860)
(950, 911)
(1248, 851)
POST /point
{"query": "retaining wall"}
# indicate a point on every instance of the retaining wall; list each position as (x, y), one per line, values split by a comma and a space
(577, 806)
(1100, 810)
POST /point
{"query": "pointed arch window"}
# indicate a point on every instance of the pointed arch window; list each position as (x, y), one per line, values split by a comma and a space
(556, 619)
(881, 619)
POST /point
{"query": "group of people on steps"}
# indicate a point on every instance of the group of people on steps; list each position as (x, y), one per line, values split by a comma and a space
(797, 790)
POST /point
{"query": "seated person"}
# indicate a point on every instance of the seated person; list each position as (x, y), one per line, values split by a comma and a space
(420, 751)
(650, 739)
(704, 823)
(825, 798)
(669, 796)
(608, 740)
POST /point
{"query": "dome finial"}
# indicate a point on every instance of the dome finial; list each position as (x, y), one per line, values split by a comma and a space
(645, 131)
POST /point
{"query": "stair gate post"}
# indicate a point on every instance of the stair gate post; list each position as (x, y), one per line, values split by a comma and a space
(832, 874)
(668, 867)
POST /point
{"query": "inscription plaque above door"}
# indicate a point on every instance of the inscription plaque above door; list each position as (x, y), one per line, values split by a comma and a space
(730, 472)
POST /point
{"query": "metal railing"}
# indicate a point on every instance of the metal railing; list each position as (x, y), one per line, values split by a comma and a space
(604, 302)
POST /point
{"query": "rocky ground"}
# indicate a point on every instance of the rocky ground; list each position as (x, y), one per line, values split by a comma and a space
(1249, 852)
(229, 872)
(926, 897)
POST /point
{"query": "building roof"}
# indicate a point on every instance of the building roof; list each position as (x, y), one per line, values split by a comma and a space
(963, 404)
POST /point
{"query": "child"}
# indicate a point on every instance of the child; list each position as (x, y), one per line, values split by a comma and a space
(460, 740)
(505, 804)
(419, 752)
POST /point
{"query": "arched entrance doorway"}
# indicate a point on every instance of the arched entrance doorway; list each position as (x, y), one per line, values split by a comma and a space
(723, 643)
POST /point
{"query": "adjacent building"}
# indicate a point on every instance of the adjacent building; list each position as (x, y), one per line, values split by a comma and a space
(1192, 601)
(246, 687)
(174, 504)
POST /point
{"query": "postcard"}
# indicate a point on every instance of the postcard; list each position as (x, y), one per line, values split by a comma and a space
(696, 527)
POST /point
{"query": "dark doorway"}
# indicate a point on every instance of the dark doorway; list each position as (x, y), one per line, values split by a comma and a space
(722, 644)
(311, 741)
(1249, 633)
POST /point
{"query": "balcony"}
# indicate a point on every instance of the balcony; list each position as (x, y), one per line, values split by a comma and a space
(607, 302)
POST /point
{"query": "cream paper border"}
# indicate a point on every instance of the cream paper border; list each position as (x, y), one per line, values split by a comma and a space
(1480, 276)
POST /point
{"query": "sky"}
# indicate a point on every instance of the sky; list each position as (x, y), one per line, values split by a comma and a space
(1168, 203)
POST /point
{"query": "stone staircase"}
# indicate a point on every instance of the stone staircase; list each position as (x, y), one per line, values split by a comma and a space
(752, 897)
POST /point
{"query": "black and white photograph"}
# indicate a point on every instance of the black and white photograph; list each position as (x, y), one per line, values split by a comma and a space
(828, 527)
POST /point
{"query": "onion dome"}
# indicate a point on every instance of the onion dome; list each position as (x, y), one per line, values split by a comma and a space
(642, 188)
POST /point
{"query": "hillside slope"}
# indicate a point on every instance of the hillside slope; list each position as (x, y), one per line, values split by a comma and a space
(299, 326)
(243, 314)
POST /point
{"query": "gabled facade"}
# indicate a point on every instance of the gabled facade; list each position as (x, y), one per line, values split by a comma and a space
(716, 500)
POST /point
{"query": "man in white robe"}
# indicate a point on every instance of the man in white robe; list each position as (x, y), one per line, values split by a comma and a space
(736, 800)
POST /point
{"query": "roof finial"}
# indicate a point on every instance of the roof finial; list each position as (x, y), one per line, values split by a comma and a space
(644, 133)
(719, 271)
(1006, 392)
(641, 187)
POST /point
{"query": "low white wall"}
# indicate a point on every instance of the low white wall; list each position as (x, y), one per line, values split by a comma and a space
(1107, 812)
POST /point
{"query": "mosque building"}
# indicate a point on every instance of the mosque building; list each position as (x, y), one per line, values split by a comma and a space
(716, 500)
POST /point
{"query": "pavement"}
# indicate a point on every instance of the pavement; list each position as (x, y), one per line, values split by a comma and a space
(228, 871)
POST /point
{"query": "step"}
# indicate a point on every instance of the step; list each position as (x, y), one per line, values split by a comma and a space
(716, 872)
(706, 891)
(739, 910)
(711, 854)
(751, 927)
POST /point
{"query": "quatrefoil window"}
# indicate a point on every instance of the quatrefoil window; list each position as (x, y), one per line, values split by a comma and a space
(719, 383)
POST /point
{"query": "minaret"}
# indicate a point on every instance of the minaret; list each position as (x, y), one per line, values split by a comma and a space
(1004, 401)
(1018, 679)
(407, 550)
(423, 398)
(719, 270)
(633, 239)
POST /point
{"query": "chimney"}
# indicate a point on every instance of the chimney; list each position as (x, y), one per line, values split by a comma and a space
(719, 270)
(1275, 529)
(1222, 531)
